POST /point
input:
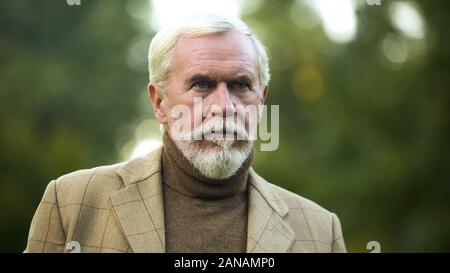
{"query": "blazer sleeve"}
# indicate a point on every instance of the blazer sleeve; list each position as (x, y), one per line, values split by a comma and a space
(338, 238)
(46, 232)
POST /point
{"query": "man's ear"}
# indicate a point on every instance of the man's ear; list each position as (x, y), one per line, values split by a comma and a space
(265, 93)
(155, 97)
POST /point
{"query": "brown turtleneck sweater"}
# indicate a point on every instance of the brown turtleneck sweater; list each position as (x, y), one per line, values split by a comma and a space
(202, 214)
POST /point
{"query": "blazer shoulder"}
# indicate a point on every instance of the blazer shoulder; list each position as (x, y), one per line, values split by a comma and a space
(296, 201)
(93, 187)
(317, 229)
(88, 186)
(96, 173)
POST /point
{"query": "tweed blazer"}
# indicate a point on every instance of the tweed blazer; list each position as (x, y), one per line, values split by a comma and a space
(119, 208)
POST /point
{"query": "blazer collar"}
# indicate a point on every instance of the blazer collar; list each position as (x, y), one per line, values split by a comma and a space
(139, 209)
(267, 230)
(138, 206)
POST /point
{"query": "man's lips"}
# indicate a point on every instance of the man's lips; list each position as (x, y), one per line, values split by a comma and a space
(221, 135)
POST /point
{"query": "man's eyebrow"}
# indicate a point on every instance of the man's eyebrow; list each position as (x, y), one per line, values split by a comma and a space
(244, 78)
(199, 77)
(205, 77)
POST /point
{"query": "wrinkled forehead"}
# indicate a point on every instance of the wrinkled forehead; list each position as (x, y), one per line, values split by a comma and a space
(227, 51)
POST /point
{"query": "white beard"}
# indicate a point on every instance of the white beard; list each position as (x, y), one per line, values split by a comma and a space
(221, 163)
(218, 164)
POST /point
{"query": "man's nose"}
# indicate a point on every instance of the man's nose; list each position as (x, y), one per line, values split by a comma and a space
(221, 99)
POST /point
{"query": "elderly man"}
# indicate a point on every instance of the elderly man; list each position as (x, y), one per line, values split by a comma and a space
(198, 192)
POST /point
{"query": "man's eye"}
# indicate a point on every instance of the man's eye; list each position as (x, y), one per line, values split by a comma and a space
(201, 85)
(239, 86)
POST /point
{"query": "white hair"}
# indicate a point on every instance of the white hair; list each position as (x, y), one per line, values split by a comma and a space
(161, 46)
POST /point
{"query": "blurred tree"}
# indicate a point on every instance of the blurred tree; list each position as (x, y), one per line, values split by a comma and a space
(360, 135)
(65, 89)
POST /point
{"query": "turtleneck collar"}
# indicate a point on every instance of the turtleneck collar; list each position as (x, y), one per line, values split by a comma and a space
(183, 177)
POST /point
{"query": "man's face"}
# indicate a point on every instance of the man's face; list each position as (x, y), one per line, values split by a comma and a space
(214, 77)
(220, 70)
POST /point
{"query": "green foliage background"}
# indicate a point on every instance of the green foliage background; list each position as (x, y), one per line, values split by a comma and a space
(360, 136)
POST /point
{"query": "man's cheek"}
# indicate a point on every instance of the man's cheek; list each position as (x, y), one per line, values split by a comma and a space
(197, 111)
(179, 119)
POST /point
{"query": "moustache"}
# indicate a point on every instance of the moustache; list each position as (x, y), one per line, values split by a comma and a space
(217, 129)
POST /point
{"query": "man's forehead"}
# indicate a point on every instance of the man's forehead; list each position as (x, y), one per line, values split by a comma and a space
(220, 46)
(221, 70)
(223, 51)
(226, 54)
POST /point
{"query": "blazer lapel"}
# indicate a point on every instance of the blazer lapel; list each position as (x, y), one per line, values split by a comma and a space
(267, 230)
(138, 206)
(139, 209)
